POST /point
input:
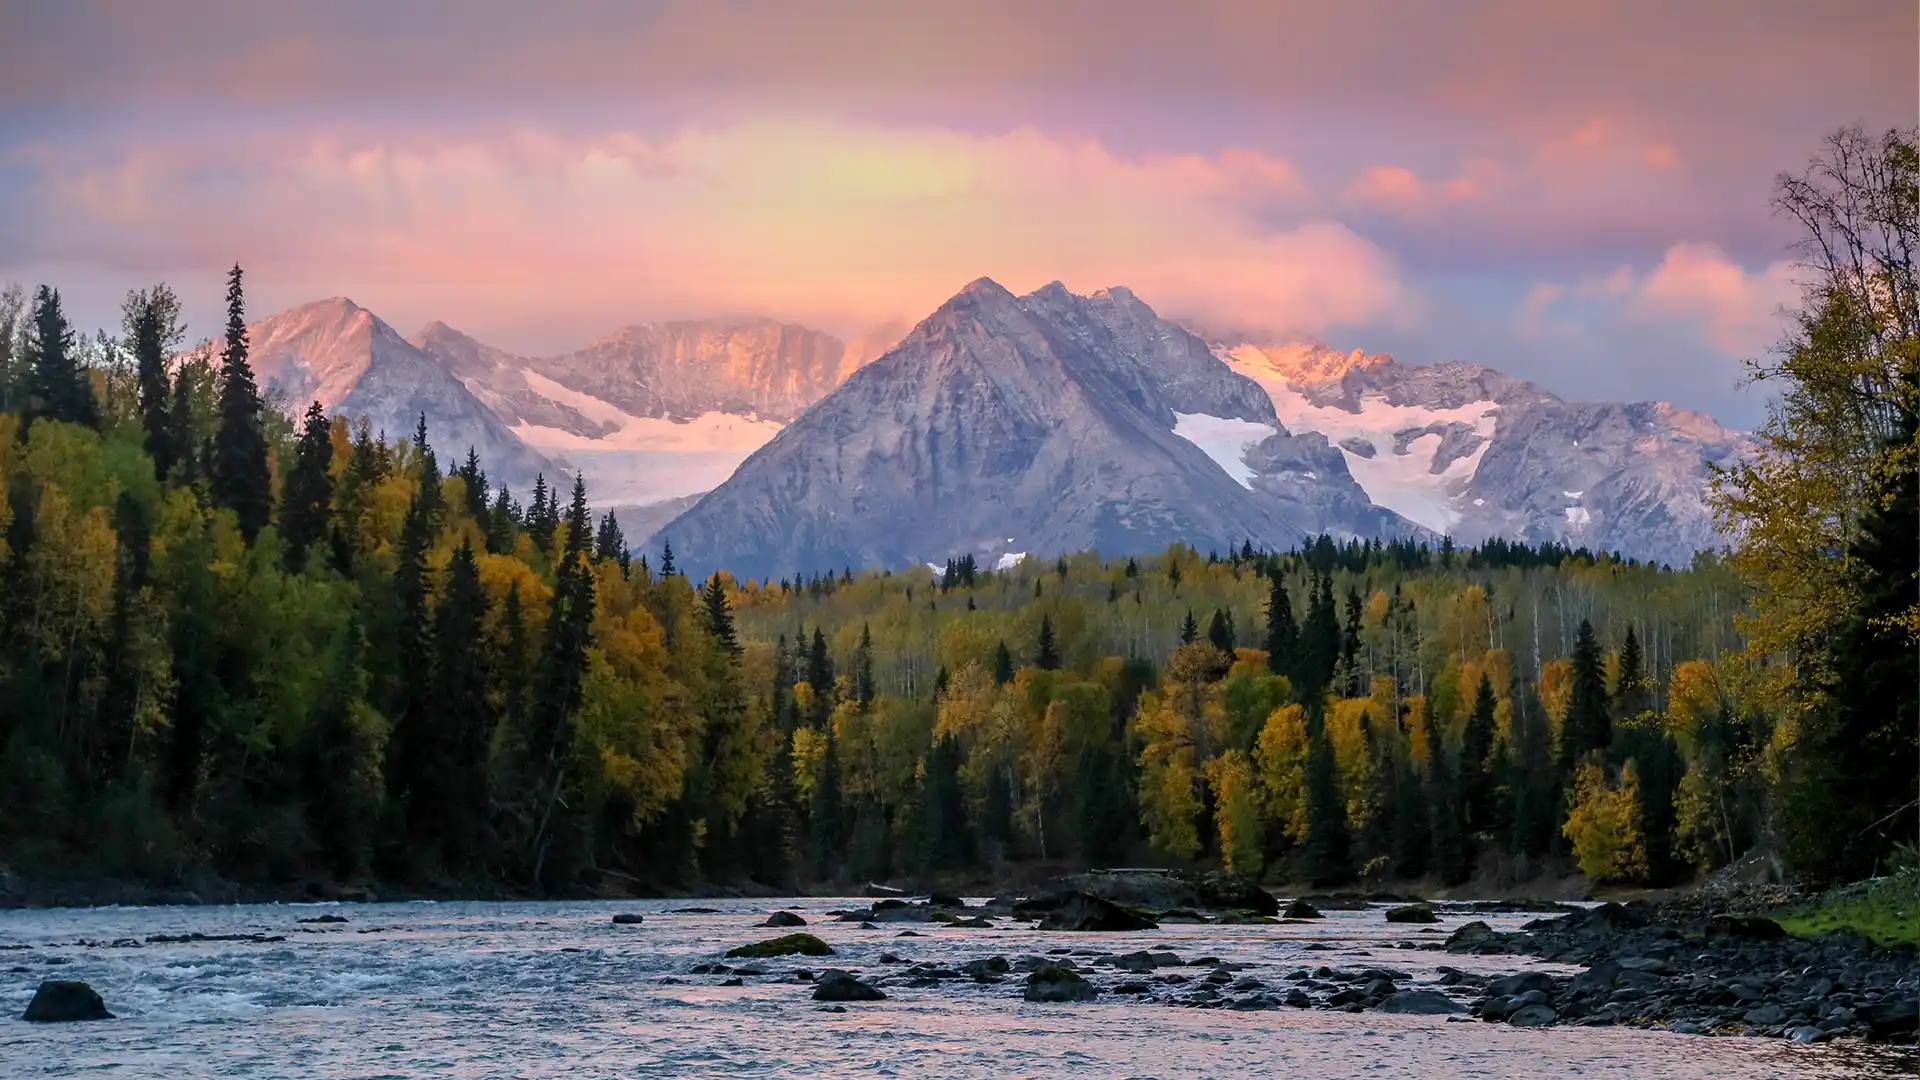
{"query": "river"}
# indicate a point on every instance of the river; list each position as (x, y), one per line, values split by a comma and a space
(528, 990)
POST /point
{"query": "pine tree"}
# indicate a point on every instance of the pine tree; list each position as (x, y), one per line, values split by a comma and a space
(820, 677)
(1283, 634)
(475, 481)
(719, 616)
(1476, 746)
(1586, 727)
(540, 516)
(825, 812)
(502, 524)
(944, 842)
(1002, 664)
(1630, 696)
(242, 481)
(666, 560)
(1327, 855)
(1046, 655)
(183, 444)
(58, 388)
(1189, 629)
(1411, 817)
(563, 668)
(1451, 859)
(307, 506)
(153, 327)
(610, 544)
(460, 709)
(1220, 632)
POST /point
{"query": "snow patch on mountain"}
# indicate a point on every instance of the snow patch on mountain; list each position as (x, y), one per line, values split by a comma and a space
(1225, 440)
(1009, 560)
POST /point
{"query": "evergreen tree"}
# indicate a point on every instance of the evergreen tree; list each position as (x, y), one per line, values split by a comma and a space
(502, 524)
(1046, 655)
(1476, 747)
(241, 479)
(419, 758)
(1350, 634)
(1630, 695)
(609, 544)
(1220, 631)
(996, 813)
(474, 479)
(944, 842)
(541, 516)
(1283, 634)
(183, 441)
(1411, 816)
(825, 813)
(1327, 856)
(307, 505)
(1002, 664)
(666, 560)
(1450, 859)
(1189, 629)
(58, 388)
(562, 670)
(461, 713)
(1586, 727)
(719, 616)
(820, 677)
(153, 327)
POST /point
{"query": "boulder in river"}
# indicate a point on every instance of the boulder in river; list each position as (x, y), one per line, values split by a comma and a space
(628, 918)
(1081, 912)
(837, 985)
(1300, 909)
(1055, 983)
(1412, 913)
(61, 1000)
(1535, 1015)
(1420, 1003)
(792, 944)
(948, 900)
(324, 919)
(784, 918)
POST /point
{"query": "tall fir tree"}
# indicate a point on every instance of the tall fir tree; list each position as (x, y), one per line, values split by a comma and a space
(826, 813)
(1220, 631)
(1189, 629)
(153, 327)
(241, 479)
(1328, 853)
(307, 506)
(713, 596)
(1002, 663)
(1476, 748)
(864, 689)
(1046, 652)
(58, 387)
(1283, 634)
(1587, 726)
(461, 708)
(945, 842)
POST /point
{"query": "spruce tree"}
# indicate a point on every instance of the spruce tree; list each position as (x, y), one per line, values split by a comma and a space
(944, 841)
(563, 669)
(1189, 629)
(825, 813)
(1476, 747)
(540, 517)
(241, 479)
(1002, 664)
(1586, 727)
(183, 441)
(153, 327)
(307, 506)
(58, 388)
(610, 544)
(461, 710)
(820, 678)
(1283, 634)
(1327, 856)
(502, 524)
(1220, 632)
(719, 616)
(475, 481)
(1046, 654)
(1411, 818)
(667, 569)
(1450, 859)
(864, 690)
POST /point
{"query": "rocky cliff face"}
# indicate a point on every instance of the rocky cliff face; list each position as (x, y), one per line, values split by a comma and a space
(343, 356)
(1466, 450)
(1000, 425)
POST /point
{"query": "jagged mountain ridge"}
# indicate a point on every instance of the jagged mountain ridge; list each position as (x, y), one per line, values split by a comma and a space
(1474, 453)
(1001, 424)
(355, 365)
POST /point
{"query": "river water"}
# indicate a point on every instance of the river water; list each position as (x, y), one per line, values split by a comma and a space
(530, 990)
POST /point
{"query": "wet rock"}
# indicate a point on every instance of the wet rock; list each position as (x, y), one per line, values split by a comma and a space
(1894, 1018)
(1533, 1016)
(889, 958)
(1420, 1003)
(1161, 890)
(837, 985)
(988, 970)
(324, 919)
(978, 922)
(1300, 909)
(750, 969)
(1080, 912)
(1747, 927)
(1807, 1033)
(628, 918)
(784, 918)
(1256, 1003)
(1412, 913)
(1056, 983)
(1132, 988)
(948, 900)
(736, 981)
(1298, 999)
(791, 944)
(1512, 985)
(1182, 915)
(64, 1000)
(695, 911)
(901, 934)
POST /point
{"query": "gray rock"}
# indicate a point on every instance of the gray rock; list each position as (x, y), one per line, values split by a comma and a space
(784, 918)
(1807, 1033)
(1420, 1003)
(63, 1000)
(1412, 913)
(628, 918)
(1533, 1016)
(1055, 983)
(836, 985)
(1520, 983)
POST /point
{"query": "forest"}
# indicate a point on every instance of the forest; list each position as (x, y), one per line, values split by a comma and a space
(284, 651)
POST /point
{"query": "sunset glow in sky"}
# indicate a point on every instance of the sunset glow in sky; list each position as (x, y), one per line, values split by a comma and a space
(1571, 192)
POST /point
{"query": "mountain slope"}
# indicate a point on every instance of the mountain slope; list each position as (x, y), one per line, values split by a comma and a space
(343, 356)
(1466, 450)
(1000, 425)
(653, 413)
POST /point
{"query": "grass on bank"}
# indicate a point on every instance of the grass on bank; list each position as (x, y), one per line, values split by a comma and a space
(1886, 909)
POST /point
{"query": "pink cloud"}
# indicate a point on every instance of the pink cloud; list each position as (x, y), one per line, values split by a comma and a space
(1740, 309)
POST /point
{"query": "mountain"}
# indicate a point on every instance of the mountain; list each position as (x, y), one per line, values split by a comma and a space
(343, 356)
(1465, 450)
(656, 412)
(1005, 424)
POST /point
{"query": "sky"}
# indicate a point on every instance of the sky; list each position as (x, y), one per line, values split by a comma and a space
(1575, 193)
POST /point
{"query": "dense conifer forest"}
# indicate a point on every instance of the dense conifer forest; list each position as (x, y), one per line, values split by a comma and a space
(284, 652)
